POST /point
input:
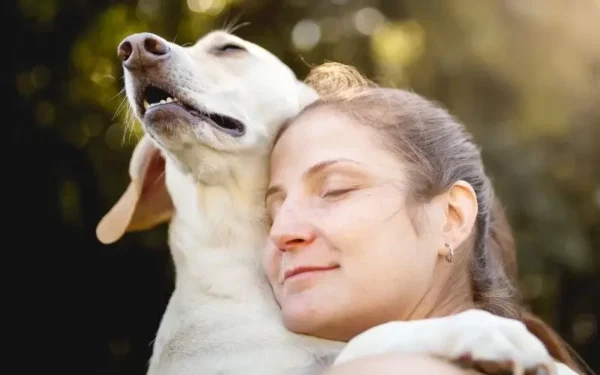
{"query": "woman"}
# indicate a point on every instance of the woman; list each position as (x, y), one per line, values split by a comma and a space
(382, 211)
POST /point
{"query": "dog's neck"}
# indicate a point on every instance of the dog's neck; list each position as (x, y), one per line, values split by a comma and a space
(219, 219)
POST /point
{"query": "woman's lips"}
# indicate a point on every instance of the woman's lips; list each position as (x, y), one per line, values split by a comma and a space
(306, 269)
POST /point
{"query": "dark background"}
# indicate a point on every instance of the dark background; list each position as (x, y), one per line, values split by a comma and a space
(524, 76)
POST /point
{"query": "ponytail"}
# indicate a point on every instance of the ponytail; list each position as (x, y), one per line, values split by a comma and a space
(555, 345)
(500, 296)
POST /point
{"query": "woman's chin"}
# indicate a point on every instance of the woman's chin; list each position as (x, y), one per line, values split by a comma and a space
(302, 315)
(317, 311)
(316, 323)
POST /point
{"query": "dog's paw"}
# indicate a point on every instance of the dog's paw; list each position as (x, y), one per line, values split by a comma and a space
(475, 338)
(495, 344)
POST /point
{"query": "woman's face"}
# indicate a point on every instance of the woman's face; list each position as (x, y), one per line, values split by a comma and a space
(343, 253)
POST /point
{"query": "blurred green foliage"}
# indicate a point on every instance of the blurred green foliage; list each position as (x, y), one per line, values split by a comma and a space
(524, 76)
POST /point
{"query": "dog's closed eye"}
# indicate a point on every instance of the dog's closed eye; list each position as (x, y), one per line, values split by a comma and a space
(228, 48)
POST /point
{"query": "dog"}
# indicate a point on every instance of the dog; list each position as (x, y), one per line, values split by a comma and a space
(209, 113)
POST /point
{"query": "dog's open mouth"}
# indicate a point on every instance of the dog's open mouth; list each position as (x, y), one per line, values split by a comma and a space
(155, 98)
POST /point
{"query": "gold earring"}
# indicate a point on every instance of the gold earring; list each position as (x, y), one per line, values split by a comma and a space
(450, 256)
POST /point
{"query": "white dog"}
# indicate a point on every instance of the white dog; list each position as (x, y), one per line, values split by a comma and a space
(210, 112)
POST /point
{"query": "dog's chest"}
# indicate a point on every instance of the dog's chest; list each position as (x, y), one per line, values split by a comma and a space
(219, 337)
(222, 317)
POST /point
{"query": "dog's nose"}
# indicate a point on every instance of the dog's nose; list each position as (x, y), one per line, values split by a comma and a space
(142, 50)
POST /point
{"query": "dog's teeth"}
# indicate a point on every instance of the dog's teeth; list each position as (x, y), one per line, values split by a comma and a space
(163, 101)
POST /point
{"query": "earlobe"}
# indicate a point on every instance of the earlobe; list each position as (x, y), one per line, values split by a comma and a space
(449, 253)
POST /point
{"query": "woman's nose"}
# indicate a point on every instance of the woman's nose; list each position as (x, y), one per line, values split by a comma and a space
(290, 231)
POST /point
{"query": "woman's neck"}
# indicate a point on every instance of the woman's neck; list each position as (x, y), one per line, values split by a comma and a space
(448, 295)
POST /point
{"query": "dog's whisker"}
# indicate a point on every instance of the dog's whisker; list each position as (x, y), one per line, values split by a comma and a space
(120, 108)
(117, 94)
(239, 26)
(129, 126)
(232, 26)
(121, 105)
(226, 22)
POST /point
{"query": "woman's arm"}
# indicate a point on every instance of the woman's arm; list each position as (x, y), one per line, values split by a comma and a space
(394, 364)
(408, 364)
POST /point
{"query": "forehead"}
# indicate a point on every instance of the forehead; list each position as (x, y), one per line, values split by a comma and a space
(325, 133)
(218, 37)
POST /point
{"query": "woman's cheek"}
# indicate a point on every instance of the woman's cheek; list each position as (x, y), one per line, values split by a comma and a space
(341, 220)
(271, 262)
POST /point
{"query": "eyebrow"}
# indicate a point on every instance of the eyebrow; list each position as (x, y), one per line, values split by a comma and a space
(313, 170)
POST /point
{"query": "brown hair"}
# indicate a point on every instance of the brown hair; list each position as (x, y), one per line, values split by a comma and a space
(439, 152)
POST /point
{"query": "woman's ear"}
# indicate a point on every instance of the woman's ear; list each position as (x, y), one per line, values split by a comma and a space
(146, 201)
(461, 210)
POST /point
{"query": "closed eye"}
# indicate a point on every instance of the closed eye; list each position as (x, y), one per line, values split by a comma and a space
(229, 47)
(337, 192)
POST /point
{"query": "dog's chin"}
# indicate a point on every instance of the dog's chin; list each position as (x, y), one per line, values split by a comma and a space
(166, 118)
(169, 124)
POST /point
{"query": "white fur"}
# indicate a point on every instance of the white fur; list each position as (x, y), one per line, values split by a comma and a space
(222, 317)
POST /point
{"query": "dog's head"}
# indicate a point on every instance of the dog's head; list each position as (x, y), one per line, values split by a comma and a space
(210, 109)
(222, 93)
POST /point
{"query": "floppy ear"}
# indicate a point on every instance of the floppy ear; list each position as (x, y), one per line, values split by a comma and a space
(306, 95)
(146, 202)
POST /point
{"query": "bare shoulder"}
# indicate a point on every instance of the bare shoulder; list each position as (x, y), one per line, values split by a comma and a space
(392, 363)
